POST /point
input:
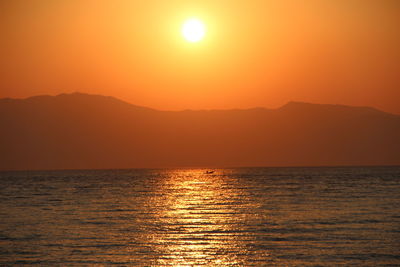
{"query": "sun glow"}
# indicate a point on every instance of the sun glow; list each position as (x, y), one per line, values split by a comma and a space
(193, 30)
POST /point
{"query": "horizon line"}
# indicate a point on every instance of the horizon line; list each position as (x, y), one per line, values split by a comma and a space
(205, 168)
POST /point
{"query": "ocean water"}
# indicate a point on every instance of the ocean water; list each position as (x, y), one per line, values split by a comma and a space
(186, 217)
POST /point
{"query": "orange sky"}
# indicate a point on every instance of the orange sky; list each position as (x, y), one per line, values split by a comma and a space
(256, 53)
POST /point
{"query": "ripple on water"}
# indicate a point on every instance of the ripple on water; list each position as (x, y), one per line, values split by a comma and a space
(233, 217)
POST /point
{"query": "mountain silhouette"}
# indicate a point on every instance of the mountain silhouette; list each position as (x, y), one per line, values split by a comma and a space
(80, 131)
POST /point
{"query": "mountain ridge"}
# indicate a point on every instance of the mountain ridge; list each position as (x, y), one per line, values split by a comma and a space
(288, 105)
(81, 131)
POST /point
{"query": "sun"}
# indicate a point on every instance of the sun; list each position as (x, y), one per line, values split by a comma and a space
(193, 30)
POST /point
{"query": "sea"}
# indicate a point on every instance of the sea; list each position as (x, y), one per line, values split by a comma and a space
(319, 216)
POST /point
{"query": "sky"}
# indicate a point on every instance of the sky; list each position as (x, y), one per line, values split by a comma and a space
(259, 53)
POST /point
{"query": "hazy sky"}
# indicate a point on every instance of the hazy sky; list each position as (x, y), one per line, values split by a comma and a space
(256, 53)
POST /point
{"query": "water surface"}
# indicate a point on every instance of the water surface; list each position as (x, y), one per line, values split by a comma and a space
(185, 217)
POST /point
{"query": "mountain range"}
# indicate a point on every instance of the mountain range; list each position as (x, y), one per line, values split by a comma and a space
(81, 131)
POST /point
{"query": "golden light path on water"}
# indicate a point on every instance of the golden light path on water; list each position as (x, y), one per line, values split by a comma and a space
(203, 218)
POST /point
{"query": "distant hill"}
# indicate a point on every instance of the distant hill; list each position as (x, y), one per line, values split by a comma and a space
(80, 131)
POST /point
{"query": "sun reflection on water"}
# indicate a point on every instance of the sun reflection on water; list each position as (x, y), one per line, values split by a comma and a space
(201, 218)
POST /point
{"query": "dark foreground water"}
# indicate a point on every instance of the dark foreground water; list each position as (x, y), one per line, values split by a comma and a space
(185, 217)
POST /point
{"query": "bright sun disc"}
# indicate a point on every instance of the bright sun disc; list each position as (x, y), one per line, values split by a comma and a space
(193, 30)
